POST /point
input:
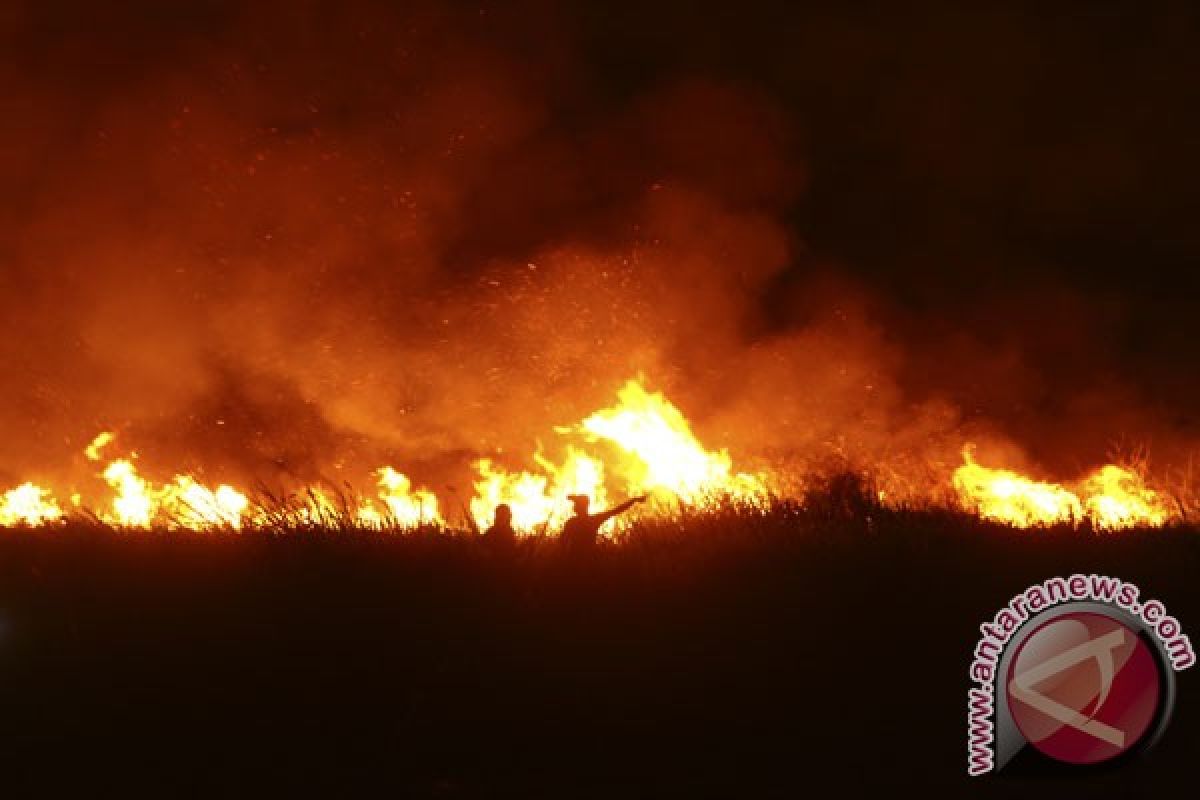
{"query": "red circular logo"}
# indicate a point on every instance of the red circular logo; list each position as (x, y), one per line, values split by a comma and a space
(1084, 688)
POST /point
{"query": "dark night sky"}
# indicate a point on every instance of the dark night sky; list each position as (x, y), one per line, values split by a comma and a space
(948, 148)
(957, 152)
(1008, 178)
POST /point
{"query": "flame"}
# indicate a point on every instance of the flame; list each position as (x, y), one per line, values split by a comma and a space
(319, 508)
(102, 440)
(400, 505)
(406, 507)
(655, 451)
(538, 502)
(647, 447)
(1119, 498)
(1112, 497)
(185, 503)
(1010, 497)
(665, 454)
(525, 493)
(197, 507)
(134, 505)
(28, 505)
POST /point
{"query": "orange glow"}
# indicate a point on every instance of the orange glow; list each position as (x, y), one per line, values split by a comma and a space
(133, 505)
(102, 440)
(184, 503)
(539, 502)
(643, 444)
(28, 505)
(1119, 498)
(1007, 496)
(199, 507)
(406, 507)
(662, 454)
(1111, 498)
(654, 451)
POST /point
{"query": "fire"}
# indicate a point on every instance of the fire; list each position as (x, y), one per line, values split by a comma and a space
(399, 506)
(643, 444)
(134, 505)
(525, 493)
(538, 502)
(102, 440)
(1010, 497)
(197, 506)
(1119, 498)
(654, 451)
(1112, 497)
(318, 508)
(406, 507)
(188, 504)
(184, 503)
(664, 454)
(28, 505)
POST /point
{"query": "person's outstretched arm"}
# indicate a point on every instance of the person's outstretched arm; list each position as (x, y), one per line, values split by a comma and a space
(622, 508)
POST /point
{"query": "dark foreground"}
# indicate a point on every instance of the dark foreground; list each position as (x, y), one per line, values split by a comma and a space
(751, 658)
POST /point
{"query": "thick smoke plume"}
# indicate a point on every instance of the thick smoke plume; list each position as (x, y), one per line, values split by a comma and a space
(296, 242)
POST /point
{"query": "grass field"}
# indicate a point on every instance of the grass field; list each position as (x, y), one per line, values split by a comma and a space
(731, 654)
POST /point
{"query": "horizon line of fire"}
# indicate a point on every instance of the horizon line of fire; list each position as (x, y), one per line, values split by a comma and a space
(654, 452)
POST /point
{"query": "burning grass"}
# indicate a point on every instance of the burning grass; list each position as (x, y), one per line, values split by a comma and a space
(836, 504)
(642, 445)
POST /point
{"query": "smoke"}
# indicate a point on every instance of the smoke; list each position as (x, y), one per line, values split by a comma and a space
(300, 241)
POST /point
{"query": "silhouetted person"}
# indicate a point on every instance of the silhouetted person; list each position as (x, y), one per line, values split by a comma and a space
(581, 530)
(501, 531)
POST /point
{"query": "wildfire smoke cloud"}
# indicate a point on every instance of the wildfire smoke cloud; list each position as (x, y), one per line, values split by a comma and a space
(394, 248)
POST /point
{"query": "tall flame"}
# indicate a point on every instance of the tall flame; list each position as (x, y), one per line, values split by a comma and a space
(655, 451)
(134, 506)
(665, 452)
